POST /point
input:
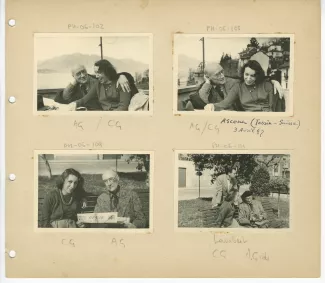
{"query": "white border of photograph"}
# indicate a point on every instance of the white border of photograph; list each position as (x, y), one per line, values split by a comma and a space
(92, 230)
(229, 231)
(176, 112)
(95, 113)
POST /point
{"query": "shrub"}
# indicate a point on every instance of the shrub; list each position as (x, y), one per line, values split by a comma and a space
(279, 185)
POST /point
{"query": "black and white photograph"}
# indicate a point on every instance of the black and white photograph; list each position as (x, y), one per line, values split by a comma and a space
(237, 73)
(93, 72)
(244, 191)
(102, 190)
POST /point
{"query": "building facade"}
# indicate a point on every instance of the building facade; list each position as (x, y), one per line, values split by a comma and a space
(188, 178)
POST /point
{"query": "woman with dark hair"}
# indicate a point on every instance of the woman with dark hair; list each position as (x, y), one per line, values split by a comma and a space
(254, 92)
(110, 96)
(62, 204)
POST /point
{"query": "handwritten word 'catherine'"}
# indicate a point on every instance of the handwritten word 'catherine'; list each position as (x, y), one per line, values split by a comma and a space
(229, 240)
(203, 128)
(257, 256)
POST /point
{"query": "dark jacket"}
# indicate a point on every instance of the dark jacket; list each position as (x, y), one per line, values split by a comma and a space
(214, 95)
(225, 215)
(126, 203)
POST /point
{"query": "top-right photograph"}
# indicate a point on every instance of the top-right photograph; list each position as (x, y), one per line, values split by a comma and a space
(237, 73)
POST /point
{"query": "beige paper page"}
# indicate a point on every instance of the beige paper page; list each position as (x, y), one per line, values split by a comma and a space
(163, 250)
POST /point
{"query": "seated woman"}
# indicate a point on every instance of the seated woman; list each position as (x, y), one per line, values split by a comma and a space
(254, 92)
(110, 97)
(62, 204)
(225, 217)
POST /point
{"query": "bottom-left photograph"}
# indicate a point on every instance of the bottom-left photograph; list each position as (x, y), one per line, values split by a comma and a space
(93, 190)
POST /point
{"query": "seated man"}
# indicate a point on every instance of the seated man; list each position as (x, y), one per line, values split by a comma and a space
(223, 184)
(251, 212)
(226, 212)
(106, 90)
(82, 82)
(121, 200)
(216, 87)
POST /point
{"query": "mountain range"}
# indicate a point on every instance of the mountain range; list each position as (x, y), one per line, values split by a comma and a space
(185, 63)
(64, 63)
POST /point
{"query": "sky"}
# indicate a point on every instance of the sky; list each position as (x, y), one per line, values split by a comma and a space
(119, 47)
(214, 47)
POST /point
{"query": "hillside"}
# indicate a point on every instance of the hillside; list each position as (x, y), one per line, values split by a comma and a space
(64, 63)
(185, 63)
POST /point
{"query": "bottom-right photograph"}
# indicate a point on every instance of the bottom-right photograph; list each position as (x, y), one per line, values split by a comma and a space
(250, 191)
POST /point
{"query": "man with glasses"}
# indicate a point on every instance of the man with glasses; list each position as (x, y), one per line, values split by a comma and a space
(81, 84)
(121, 200)
(215, 87)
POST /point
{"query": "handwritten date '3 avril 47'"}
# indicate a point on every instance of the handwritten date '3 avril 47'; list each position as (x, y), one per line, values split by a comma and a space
(255, 126)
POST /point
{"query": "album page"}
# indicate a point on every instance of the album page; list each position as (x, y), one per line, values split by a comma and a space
(162, 139)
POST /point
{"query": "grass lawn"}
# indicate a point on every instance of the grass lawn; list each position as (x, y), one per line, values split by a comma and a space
(190, 216)
(284, 208)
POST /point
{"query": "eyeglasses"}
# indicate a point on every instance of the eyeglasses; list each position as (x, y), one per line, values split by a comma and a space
(111, 180)
(219, 75)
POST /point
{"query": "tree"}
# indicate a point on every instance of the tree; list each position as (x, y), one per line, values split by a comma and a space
(253, 43)
(225, 58)
(260, 180)
(138, 77)
(279, 185)
(217, 162)
(145, 76)
(47, 164)
(269, 160)
(264, 47)
(143, 161)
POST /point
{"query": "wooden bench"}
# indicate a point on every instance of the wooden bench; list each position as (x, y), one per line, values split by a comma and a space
(209, 216)
(92, 200)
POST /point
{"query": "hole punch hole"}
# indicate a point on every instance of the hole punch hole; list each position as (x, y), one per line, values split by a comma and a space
(12, 177)
(12, 22)
(12, 99)
(12, 254)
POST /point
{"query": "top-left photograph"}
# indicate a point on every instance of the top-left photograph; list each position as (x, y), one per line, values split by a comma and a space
(93, 73)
